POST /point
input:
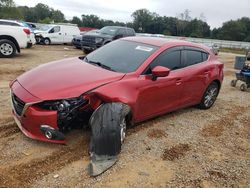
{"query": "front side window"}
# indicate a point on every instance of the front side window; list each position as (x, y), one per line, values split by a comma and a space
(55, 29)
(108, 30)
(171, 59)
(122, 32)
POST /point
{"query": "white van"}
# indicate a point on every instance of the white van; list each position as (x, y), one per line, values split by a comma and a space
(56, 34)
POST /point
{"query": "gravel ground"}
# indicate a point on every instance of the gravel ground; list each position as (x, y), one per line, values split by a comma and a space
(186, 148)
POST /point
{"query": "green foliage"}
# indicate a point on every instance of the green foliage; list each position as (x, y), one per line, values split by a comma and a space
(144, 21)
(8, 10)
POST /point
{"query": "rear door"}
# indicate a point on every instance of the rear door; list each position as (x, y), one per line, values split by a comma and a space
(197, 71)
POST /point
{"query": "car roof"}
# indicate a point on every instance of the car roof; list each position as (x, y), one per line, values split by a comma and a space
(118, 27)
(12, 21)
(157, 41)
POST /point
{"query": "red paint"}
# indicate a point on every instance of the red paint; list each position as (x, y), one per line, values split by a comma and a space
(70, 78)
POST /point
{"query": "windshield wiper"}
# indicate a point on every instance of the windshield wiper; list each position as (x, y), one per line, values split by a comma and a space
(98, 64)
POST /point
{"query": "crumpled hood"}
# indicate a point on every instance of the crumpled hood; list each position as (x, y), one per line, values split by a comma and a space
(65, 79)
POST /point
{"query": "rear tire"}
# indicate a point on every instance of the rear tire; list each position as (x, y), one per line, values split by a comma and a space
(7, 48)
(209, 96)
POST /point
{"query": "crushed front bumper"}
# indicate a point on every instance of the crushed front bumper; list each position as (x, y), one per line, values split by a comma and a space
(32, 120)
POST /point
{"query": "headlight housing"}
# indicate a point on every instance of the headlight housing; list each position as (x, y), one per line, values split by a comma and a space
(98, 40)
(63, 105)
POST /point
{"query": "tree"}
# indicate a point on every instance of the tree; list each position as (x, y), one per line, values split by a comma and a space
(142, 19)
(57, 16)
(91, 21)
(233, 30)
(77, 21)
(42, 11)
(8, 10)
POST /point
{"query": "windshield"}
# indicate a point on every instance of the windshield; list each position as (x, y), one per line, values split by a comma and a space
(27, 25)
(45, 27)
(121, 56)
(108, 30)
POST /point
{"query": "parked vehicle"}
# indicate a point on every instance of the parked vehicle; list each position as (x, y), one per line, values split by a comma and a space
(12, 39)
(92, 41)
(243, 73)
(77, 40)
(56, 34)
(125, 82)
(21, 24)
(214, 48)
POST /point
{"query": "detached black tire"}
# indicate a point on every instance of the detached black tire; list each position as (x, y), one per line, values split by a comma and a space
(46, 41)
(108, 125)
(209, 96)
(7, 48)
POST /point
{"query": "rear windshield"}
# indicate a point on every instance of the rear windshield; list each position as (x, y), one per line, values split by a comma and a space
(122, 56)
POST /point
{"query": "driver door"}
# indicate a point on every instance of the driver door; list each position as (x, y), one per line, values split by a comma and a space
(162, 95)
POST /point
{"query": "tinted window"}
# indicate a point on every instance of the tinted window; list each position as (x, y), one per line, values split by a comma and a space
(204, 56)
(170, 59)
(8, 23)
(193, 57)
(122, 56)
(109, 30)
(122, 32)
(130, 32)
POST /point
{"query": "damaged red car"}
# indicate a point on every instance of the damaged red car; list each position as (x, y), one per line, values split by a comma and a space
(124, 82)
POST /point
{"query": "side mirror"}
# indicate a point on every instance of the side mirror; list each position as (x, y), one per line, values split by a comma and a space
(159, 71)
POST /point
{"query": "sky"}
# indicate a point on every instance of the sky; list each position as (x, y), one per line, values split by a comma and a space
(215, 11)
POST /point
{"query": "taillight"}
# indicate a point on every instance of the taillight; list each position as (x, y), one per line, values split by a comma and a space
(27, 31)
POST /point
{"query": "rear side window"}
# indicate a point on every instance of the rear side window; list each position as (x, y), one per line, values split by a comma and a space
(170, 59)
(122, 32)
(193, 57)
(204, 56)
(130, 32)
(8, 23)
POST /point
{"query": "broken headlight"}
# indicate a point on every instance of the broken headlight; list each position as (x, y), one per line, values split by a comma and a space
(67, 110)
(63, 105)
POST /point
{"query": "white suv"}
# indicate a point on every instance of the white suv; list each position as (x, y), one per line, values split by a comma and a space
(21, 24)
(12, 39)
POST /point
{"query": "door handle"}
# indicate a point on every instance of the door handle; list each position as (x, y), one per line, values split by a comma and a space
(206, 71)
(178, 81)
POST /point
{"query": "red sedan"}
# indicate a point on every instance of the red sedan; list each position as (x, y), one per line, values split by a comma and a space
(126, 81)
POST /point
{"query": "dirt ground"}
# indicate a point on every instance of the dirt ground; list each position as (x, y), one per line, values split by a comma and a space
(186, 148)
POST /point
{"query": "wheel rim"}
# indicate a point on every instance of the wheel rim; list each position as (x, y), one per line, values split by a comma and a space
(46, 41)
(6, 49)
(123, 129)
(210, 96)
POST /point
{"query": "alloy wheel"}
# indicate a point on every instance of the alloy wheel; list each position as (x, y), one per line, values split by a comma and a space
(6, 49)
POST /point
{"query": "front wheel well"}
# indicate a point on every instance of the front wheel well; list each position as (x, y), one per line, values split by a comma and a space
(12, 39)
(217, 82)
